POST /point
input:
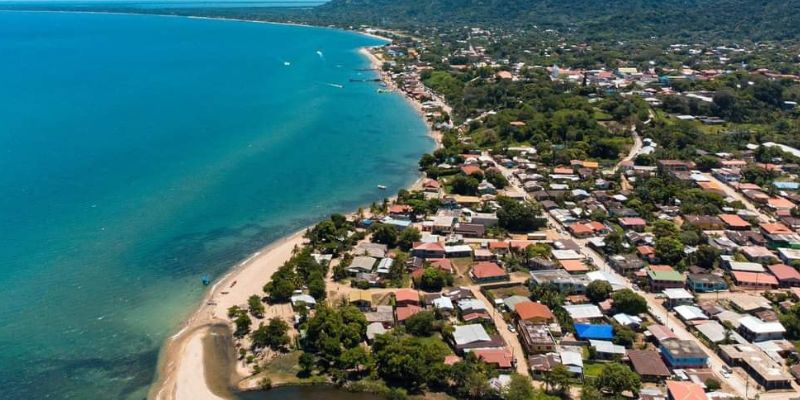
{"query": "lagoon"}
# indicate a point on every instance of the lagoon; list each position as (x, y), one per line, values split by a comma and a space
(138, 153)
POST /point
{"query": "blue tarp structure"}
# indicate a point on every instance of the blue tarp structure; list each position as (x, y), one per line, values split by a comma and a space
(591, 331)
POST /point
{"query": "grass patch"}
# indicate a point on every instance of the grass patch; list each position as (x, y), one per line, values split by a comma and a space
(501, 293)
(592, 369)
(285, 368)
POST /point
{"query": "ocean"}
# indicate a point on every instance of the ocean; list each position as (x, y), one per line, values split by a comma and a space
(139, 153)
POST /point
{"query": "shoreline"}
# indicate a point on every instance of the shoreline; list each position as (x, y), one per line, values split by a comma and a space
(244, 279)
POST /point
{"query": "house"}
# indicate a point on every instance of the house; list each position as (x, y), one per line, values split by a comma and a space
(473, 336)
(303, 300)
(375, 250)
(660, 333)
(583, 312)
(573, 360)
(673, 166)
(789, 256)
(406, 297)
(677, 390)
(458, 251)
(374, 329)
(382, 314)
(594, 331)
(690, 314)
(402, 313)
(704, 222)
(626, 264)
(756, 330)
(734, 222)
(470, 230)
(763, 369)
(534, 312)
(677, 296)
(604, 349)
(705, 283)
(662, 277)
(633, 223)
(360, 299)
(754, 280)
(500, 358)
(574, 266)
(485, 219)
(648, 365)
(428, 250)
(787, 276)
(443, 305)
(758, 254)
(561, 279)
(683, 354)
(535, 338)
(361, 264)
(488, 272)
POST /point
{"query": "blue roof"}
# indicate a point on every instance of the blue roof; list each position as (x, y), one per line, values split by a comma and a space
(786, 185)
(591, 331)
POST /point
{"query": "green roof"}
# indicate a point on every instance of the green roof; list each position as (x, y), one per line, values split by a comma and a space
(665, 275)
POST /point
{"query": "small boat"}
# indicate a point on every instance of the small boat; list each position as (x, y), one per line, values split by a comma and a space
(381, 187)
(206, 280)
(384, 91)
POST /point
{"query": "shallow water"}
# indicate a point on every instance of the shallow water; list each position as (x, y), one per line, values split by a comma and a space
(138, 153)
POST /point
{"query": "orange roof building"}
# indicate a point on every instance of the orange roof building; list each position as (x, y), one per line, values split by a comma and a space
(685, 391)
(573, 265)
(733, 221)
(488, 271)
(775, 228)
(534, 312)
(406, 296)
(406, 312)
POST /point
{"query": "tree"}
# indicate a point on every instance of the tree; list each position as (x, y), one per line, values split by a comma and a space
(406, 361)
(598, 290)
(256, 306)
(559, 379)
(496, 178)
(706, 256)
(355, 358)
(613, 243)
(434, 279)
(712, 384)
(707, 163)
(407, 238)
(465, 185)
(629, 302)
(669, 250)
(274, 335)
(306, 361)
(624, 336)
(616, 378)
(421, 323)
(662, 228)
(385, 234)
(520, 388)
(242, 323)
(518, 217)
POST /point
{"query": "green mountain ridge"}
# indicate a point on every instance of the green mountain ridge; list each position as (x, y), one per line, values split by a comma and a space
(603, 19)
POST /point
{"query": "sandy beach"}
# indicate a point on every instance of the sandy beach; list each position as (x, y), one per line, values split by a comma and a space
(181, 373)
(179, 360)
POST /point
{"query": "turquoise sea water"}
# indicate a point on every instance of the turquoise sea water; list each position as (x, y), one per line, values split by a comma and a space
(138, 153)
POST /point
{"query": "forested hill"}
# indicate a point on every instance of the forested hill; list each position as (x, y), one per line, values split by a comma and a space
(593, 19)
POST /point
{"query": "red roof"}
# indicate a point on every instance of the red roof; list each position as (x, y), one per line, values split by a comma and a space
(632, 221)
(646, 250)
(487, 270)
(685, 391)
(775, 228)
(406, 295)
(661, 332)
(476, 315)
(406, 312)
(431, 183)
(784, 272)
(498, 245)
(470, 169)
(573, 265)
(734, 221)
(430, 246)
(528, 310)
(661, 268)
(580, 228)
(754, 277)
(502, 358)
(443, 264)
(400, 208)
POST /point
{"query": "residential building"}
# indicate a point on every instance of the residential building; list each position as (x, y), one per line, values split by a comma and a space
(535, 338)
(757, 364)
(662, 277)
(488, 272)
(685, 391)
(683, 354)
(756, 330)
(704, 283)
(649, 365)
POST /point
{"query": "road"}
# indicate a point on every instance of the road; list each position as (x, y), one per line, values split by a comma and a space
(736, 382)
(731, 192)
(502, 327)
(634, 151)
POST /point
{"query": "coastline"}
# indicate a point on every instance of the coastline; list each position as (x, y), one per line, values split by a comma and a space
(183, 351)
